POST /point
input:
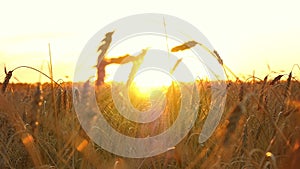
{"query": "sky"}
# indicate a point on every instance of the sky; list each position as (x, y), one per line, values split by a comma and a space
(248, 35)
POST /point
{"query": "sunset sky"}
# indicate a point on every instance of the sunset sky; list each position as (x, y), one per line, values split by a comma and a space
(248, 35)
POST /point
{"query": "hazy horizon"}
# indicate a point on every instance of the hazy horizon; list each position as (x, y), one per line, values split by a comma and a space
(249, 36)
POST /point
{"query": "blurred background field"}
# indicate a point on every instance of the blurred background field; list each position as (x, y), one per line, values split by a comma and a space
(259, 128)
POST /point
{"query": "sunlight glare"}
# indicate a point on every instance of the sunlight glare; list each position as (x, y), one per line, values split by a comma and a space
(150, 80)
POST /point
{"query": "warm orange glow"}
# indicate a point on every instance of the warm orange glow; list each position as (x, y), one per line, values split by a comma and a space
(149, 81)
(82, 145)
(269, 154)
(27, 139)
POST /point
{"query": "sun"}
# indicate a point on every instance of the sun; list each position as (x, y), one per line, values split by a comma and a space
(147, 81)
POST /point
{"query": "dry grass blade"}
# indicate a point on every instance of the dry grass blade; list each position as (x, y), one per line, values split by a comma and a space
(175, 66)
(276, 79)
(218, 57)
(5, 71)
(6, 80)
(121, 60)
(186, 45)
(136, 64)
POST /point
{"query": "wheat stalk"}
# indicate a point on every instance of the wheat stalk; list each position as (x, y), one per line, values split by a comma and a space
(102, 49)
(286, 92)
(276, 79)
(9, 75)
(241, 93)
(261, 97)
(175, 66)
(6, 80)
(214, 53)
(136, 64)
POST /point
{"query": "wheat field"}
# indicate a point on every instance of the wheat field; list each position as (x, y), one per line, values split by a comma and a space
(259, 128)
